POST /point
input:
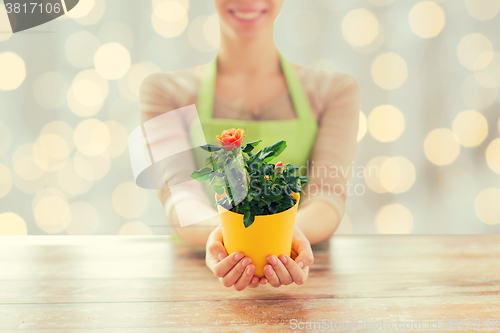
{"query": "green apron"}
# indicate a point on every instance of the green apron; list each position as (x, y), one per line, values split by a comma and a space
(299, 133)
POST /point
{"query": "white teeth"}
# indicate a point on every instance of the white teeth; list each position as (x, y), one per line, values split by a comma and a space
(246, 16)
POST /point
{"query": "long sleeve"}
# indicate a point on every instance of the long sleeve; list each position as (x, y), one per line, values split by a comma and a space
(332, 161)
(160, 94)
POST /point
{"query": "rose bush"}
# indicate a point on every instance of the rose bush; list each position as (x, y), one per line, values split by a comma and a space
(252, 186)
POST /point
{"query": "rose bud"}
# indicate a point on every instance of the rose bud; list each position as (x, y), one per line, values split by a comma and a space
(279, 168)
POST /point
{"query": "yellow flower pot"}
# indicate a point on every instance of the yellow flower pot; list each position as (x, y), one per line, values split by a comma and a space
(269, 234)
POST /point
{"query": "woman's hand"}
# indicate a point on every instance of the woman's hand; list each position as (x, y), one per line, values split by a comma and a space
(286, 270)
(233, 270)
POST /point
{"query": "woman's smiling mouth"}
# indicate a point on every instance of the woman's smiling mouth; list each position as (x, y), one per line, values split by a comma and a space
(247, 15)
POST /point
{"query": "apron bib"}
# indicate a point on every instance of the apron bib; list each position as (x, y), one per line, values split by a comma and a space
(299, 133)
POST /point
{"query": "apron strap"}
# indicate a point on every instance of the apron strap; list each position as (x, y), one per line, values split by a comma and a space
(206, 94)
(297, 93)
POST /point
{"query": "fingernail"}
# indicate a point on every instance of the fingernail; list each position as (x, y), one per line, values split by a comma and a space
(238, 256)
(269, 271)
(221, 255)
(272, 260)
(250, 271)
(301, 264)
(246, 262)
(283, 259)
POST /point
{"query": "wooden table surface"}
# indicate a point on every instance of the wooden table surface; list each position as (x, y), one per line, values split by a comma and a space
(152, 284)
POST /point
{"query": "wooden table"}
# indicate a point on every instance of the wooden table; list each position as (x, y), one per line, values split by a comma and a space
(152, 284)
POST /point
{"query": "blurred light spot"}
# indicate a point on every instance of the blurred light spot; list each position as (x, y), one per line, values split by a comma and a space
(386, 123)
(118, 138)
(362, 126)
(394, 219)
(90, 12)
(471, 128)
(441, 146)
(204, 34)
(29, 186)
(92, 167)
(84, 219)
(381, 2)
(169, 18)
(12, 224)
(116, 31)
(345, 226)
(50, 152)
(129, 200)
(5, 138)
(12, 71)
(493, 156)
(183, 3)
(49, 90)
(129, 85)
(80, 49)
(82, 9)
(397, 174)
(135, 229)
(360, 27)
(5, 181)
(24, 163)
(389, 71)
(87, 93)
(112, 61)
(211, 30)
(5, 28)
(302, 27)
(71, 181)
(92, 137)
(62, 129)
(483, 10)
(52, 213)
(477, 96)
(486, 206)
(489, 77)
(475, 51)
(372, 174)
(427, 19)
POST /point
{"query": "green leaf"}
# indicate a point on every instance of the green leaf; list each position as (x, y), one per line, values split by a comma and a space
(202, 175)
(248, 219)
(304, 180)
(211, 147)
(273, 198)
(250, 146)
(277, 148)
(219, 190)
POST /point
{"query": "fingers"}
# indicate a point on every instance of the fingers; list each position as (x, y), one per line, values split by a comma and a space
(226, 264)
(215, 249)
(280, 270)
(302, 247)
(271, 276)
(255, 282)
(296, 272)
(235, 273)
(245, 278)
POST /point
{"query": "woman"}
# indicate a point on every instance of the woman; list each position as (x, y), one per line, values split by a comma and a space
(253, 86)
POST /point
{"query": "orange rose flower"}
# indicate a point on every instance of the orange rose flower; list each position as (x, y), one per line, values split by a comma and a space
(231, 138)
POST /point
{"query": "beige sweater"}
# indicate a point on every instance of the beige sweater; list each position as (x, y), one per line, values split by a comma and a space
(334, 100)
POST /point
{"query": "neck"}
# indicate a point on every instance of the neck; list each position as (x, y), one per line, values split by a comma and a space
(248, 57)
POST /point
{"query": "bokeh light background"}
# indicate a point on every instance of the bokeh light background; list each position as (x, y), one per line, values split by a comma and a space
(429, 74)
